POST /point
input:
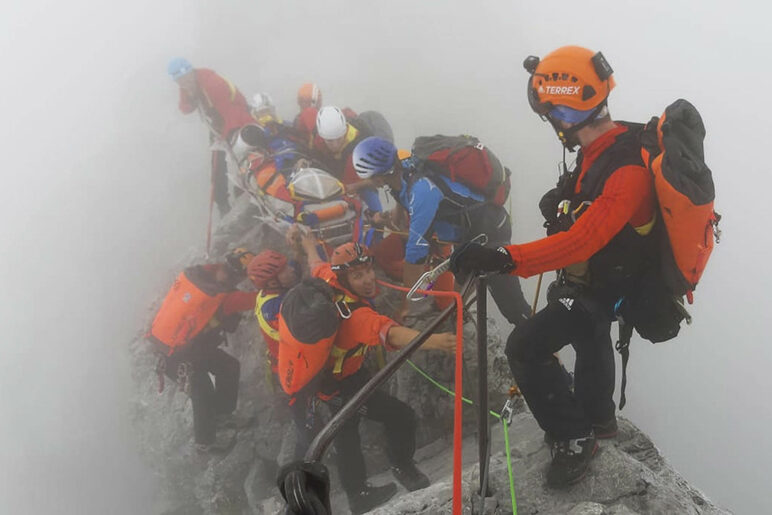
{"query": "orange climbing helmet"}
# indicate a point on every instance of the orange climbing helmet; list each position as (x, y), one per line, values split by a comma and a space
(570, 83)
(349, 255)
(309, 96)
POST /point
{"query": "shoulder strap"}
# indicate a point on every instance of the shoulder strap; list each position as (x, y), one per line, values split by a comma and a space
(623, 347)
(626, 150)
(426, 169)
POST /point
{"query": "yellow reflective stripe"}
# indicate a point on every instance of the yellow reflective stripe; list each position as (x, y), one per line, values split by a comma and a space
(232, 88)
(339, 355)
(268, 118)
(264, 325)
(345, 298)
(645, 229)
(351, 134)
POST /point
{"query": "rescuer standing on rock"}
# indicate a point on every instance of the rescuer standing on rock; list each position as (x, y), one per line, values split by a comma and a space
(222, 107)
(600, 220)
(202, 305)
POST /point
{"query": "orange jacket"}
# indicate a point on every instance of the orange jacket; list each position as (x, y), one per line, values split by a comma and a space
(627, 198)
(356, 334)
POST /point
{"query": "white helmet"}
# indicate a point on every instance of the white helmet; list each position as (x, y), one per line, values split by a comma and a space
(261, 101)
(330, 123)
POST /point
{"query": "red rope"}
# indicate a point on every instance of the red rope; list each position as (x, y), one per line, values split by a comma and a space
(458, 402)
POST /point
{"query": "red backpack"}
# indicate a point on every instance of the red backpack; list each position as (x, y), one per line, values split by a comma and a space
(464, 159)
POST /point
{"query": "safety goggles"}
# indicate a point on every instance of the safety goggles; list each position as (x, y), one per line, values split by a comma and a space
(569, 115)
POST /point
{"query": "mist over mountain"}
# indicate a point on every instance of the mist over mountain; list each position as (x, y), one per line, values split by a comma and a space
(105, 191)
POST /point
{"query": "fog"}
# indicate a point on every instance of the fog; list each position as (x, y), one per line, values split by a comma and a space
(105, 190)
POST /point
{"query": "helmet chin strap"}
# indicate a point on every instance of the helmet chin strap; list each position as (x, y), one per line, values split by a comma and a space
(568, 136)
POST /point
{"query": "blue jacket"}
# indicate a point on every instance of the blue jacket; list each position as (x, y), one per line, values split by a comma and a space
(423, 201)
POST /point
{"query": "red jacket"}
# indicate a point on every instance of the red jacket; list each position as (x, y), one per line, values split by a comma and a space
(220, 101)
(627, 198)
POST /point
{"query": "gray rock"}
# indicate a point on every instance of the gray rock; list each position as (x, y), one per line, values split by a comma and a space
(628, 476)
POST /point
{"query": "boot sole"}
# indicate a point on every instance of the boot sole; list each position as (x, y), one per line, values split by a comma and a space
(584, 474)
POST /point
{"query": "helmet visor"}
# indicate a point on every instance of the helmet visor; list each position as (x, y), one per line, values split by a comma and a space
(568, 115)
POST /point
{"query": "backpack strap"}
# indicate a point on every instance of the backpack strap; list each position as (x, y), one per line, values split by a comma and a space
(426, 169)
(623, 347)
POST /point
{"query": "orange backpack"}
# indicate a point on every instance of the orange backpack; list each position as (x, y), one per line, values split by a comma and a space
(673, 151)
(184, 313)
(308, 324)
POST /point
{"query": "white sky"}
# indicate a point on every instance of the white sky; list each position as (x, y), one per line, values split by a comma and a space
(104, 189)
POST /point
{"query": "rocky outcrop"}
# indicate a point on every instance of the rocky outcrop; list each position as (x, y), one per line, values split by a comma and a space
(628, 476)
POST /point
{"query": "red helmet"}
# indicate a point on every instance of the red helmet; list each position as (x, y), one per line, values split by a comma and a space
(349, 255)
(265, 266)
(309, 96)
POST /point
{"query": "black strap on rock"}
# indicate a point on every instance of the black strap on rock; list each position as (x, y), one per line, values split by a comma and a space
(623, 347)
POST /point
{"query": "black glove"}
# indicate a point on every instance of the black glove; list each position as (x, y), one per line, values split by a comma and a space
(474, 258)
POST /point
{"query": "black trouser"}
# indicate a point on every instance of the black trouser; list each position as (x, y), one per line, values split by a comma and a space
(494, 221)
(398, 419)
(307, 423)
(208, 400)
(585, 325)
(220, 181)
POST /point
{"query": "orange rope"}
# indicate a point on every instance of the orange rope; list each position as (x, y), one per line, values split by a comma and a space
(458, 403)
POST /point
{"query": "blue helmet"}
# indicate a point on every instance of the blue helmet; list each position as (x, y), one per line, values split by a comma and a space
(373, 156)
(178, 67)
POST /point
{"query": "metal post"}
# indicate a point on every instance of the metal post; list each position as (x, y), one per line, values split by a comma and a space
(482, 381)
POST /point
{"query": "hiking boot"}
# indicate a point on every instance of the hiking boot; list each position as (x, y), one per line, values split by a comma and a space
(370, 497)
(602, 431)
(223, 444)
(570, 460)
(606, 430)
(233, 421)
(410, 477)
